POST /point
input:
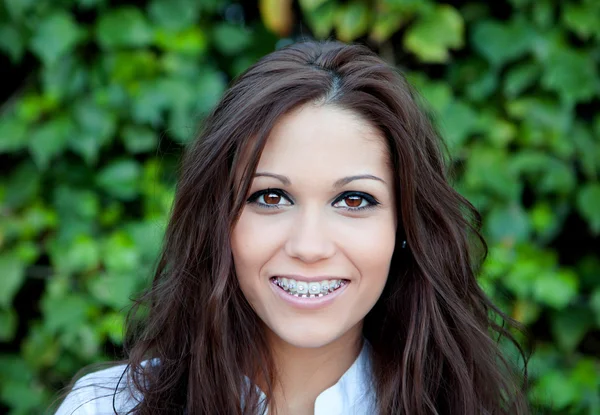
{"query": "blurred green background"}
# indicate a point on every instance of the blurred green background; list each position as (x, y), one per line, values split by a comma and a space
(99, 97)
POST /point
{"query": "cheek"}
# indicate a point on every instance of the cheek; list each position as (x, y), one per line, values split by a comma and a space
(370, 247)
(253, 242)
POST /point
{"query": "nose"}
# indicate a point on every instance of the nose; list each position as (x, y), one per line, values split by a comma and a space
(309, 240)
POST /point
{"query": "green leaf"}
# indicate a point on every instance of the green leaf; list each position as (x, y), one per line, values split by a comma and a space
(409, 6)
(64, 312)
(570, 325)
(526, 311)
(95, 119)
(123, 27)
(585, 374)
(12, 270)
(56, 36)
(182, 123)
(554, 390)
(556, 289)
(352, 21)
(120, 179)
(96, 125)
(500, 43)
(22, 186)
(545, 220)
(508, 224)
(210, 87)
(12, 134)
(310, 5)
(588, 200)
(36, 218)
(113, 290)
(70, 202)
(437, 95)
(131, 68)
(14, 367)
(458, 121)
(487, 171)
(482, 86)
(49, 140)
(32, 107)
(385, 25)
(572, 74)
(113, 324)
(174, 14)
(595, 304)
(22, 397)
(138, 139)
(434, 34)
(498, 131)
(66, 78)
(588, 152)
(8, 325)
(88, 4)
(147, 237)
(121, 255)
(543, 14)
(521, 277)
(582, 18)
(321, 19)
(152, 99)
(11, 42)
(188, 101)
(558, 178)
(112, 214)
(541, 114)
(231, 39)
(520, 78)
(192, 42)
(80, 255)
(18, 9)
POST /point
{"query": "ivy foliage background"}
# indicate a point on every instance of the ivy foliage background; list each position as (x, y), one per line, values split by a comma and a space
(98, 98)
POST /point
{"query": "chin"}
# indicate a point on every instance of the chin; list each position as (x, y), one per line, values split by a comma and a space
(307, 338)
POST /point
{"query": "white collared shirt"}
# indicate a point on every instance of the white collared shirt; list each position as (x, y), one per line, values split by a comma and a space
(93, 394)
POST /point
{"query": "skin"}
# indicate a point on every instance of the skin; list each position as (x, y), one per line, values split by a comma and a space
(307, 227)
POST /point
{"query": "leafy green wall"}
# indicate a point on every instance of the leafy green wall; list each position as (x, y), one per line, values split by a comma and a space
(98, 98)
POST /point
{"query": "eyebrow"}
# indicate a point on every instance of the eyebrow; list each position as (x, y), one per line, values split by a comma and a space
(339, 183)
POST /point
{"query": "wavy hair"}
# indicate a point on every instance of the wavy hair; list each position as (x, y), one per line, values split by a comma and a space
(434, 333)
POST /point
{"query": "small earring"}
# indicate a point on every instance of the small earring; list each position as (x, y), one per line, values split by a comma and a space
(403, 244)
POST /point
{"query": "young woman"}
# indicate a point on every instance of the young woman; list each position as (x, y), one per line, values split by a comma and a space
(316, 261)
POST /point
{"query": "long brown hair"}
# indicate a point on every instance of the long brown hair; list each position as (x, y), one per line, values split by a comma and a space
(434, 333)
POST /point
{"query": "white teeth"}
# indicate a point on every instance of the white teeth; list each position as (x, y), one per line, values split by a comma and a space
(308, 289)
(301, 287)
(314, 287)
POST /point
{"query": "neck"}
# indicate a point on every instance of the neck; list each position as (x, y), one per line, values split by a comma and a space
(303, 373)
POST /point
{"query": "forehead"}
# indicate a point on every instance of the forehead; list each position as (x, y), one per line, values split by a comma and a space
(326, 140)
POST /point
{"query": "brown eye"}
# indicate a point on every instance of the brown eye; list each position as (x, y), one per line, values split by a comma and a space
(353, 201)
(272, 198)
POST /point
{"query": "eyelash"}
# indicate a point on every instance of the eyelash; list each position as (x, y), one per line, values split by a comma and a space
(370, 199)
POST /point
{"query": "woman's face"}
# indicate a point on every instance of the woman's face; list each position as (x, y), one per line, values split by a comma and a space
(320, 221)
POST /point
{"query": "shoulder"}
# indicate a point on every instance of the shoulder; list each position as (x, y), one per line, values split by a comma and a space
(100, 393)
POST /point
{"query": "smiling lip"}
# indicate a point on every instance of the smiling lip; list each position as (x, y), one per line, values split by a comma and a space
(308, 303)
